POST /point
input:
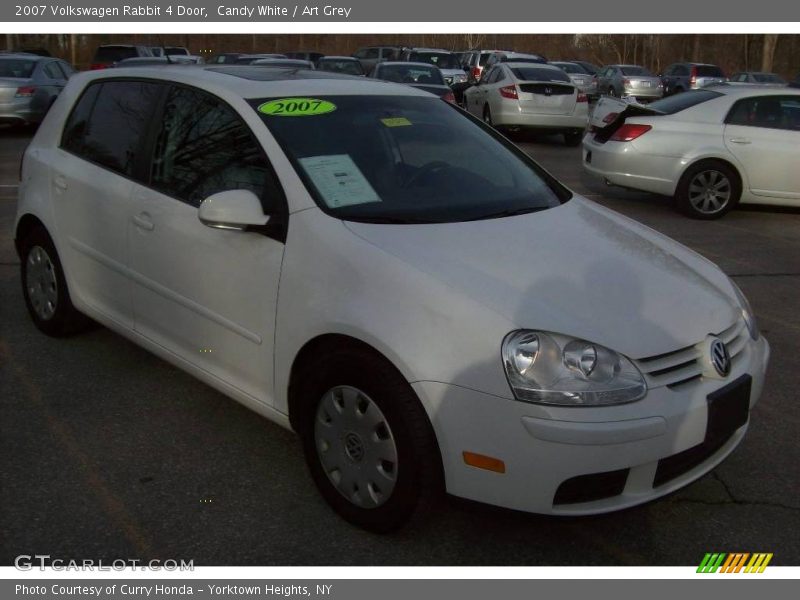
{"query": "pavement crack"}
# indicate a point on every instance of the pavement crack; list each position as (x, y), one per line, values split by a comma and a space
(733, 500)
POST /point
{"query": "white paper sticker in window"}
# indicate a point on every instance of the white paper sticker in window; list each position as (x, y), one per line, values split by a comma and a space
(339, 180)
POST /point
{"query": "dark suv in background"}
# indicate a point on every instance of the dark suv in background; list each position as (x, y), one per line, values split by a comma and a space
(106, 55)
(680, 77)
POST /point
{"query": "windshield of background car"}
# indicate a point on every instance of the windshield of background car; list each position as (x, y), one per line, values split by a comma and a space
(411, 74)
(534, 74)
(484, 57)
(679, 102)
(17, 68)
(348, 67)
(443, 60)
(404, 159)
(570, 68)
(634, 71)
(767, 78)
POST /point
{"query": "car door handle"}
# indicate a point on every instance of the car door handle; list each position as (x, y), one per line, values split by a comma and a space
(739, 141)
(143, 221)
(60, 182)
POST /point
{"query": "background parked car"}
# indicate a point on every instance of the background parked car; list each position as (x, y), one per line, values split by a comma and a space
(346, 65)
(285, 63)
(447, 62)
(680, 77)
(240, 58)
(757, 77)
(169, 51)
(584, 81)
(629, 80)
(310, 56)
(29, 84)
(473, 63)
(518, 57)
(423, 76)
(371, 55)
(108, 54)
(587, 66)
(142, 61)
(710, 149)
(525, 96)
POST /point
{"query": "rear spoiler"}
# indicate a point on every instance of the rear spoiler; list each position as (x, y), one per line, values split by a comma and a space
(610, 112)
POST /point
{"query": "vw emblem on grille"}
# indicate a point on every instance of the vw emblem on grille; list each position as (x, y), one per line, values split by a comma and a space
(720, 357)
(548, 91)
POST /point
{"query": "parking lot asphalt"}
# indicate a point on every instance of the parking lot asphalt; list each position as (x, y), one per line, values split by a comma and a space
(107, 452)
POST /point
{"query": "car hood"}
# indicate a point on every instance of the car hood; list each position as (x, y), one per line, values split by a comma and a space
(578, 269)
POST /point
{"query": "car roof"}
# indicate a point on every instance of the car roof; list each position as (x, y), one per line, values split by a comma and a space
(751, 89)
(350, 58)
(406, 63)
(26, 56)
(526, 65)
(257, 82)
(429, 50)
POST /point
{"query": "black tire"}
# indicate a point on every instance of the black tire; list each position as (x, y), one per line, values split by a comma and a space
(38, 249)
(723, 181)
(419, 480)
(573, 138)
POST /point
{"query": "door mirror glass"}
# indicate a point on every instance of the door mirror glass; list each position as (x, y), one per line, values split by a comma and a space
(232, 209)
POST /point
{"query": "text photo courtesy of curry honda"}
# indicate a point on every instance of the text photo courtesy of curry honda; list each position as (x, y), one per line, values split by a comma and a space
(445, 262)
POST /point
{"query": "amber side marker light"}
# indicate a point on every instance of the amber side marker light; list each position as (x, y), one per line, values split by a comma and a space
(484, 462)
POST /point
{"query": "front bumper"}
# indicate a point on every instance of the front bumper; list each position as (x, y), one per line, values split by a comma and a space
(544, 447)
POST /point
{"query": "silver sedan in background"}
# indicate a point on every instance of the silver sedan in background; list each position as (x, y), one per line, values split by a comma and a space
(631, 81)
(29, 84)
(582, 79)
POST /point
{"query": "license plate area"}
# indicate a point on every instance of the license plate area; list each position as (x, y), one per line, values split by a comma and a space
(728, 409)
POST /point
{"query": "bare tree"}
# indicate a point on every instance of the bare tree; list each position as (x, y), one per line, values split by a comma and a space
(768, 52)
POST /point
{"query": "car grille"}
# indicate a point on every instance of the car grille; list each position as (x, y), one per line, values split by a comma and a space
(683, 366)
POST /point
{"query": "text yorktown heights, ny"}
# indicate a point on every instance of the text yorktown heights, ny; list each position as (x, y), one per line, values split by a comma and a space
(154, 590)
(151, 11)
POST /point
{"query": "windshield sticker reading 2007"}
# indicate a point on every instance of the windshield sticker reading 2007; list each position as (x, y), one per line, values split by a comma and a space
(296, 107)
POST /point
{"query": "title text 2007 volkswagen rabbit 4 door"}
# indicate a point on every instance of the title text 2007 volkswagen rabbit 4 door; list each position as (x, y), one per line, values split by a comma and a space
(426, 307)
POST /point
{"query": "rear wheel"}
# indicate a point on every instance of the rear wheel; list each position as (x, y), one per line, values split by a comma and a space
(45, 289)
(708, 190)
(367, 440)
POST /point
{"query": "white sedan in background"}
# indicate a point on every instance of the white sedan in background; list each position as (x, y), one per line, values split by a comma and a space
(710, 149)
(525, 96)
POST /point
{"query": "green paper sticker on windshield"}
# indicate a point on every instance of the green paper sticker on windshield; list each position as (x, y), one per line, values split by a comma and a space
(296, 107)
(396, 122)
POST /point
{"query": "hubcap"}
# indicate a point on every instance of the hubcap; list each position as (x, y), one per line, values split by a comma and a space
(709, 191)
(355, 446)
(40, 281)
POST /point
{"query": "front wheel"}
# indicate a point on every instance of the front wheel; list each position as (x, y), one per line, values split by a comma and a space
(708, 190)
(368, 442)
(45, 288)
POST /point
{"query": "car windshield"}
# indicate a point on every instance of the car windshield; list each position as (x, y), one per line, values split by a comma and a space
(570, 68)
(410, 74)
(679, 102)
(405, 159)
(349, 67)
(17, 68)
(641, 71)
(534, 74)
(484, 57)
(443, 60)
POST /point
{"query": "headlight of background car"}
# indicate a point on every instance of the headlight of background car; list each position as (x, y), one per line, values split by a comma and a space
(747, 312)
(459, 78)
(549, 368)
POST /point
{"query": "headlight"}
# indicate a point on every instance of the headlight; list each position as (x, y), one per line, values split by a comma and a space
(747, 312)
(459, 78)
(549, 368)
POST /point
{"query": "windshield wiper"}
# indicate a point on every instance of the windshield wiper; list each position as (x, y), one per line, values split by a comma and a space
(394, 220)
(509, 212)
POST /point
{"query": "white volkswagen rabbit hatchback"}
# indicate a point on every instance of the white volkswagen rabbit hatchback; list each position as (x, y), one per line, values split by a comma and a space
(371, 267)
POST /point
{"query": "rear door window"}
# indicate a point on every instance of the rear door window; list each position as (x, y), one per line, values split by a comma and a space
(108, 125)
(769, 112)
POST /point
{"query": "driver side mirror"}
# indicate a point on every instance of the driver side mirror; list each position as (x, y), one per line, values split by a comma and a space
(232, 209)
